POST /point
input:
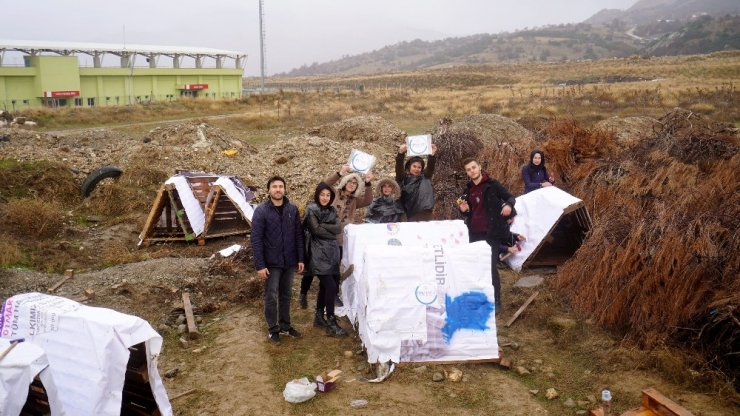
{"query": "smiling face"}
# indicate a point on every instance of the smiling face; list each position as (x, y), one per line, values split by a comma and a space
(350, 187)
(472, 169)
(276, 191)
(324, 197)
(415, 168)
(386, 189)
(537, 159)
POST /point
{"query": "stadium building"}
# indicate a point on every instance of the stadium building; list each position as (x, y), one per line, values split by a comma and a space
(51, 75)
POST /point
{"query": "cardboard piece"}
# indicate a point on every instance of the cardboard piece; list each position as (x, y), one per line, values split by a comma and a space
(419, 145)
(360, 161)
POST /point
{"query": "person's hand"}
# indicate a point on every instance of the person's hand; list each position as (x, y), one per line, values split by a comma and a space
(506, 211)
(263, 273)
(434, 149)
(344, 169)
(300, 267)
(402, 148)
(512, 250)
(464, 207)
(521, 238)
(369, 176)
(545, 184)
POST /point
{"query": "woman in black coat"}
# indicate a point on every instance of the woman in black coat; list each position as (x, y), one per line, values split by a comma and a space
(535, 174)
(323, 224)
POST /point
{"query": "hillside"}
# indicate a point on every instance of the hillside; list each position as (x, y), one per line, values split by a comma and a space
(650, 27)
(647, 11)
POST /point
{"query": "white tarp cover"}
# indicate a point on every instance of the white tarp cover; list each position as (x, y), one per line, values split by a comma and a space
(193, 209)
(406, 234)
(423, 304)
(17, 371)
(537, 214)
(240, 197)
(87, 349)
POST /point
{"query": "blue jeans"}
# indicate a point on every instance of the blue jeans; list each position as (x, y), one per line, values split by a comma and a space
(278, 290)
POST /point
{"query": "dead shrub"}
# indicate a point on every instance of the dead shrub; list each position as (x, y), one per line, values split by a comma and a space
(31, 217)
(47, 181)
(10, 253)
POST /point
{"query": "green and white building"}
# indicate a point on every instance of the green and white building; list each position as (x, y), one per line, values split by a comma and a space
(50, 74)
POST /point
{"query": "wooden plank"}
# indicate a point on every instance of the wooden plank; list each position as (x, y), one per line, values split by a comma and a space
(505, 363)
(192, 329)
(179, 213)
(653, 400)
(211, 206)
(68, 274)
(9, 349)
(139, 375)
(185, 393)
(154, 214)
(521, 309)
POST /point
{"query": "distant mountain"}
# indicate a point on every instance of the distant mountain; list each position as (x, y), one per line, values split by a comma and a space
(649, 27)
(647, 11)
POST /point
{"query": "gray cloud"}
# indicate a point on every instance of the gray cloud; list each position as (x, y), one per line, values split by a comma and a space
(298, 31)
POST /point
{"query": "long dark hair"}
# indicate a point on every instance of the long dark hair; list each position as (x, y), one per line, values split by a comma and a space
(320, 187)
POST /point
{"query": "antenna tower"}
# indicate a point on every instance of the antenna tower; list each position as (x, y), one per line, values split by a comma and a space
(263, 48)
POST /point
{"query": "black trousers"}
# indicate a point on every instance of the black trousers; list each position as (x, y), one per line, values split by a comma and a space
(327, 293)
(307, 279)
(495, 279)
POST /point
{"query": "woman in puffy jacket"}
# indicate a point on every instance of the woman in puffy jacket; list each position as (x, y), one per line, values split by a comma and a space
(323, 224)
(386, 207)
(535, 174)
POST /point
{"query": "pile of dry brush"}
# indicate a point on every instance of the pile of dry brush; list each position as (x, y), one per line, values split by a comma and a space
(660, 265)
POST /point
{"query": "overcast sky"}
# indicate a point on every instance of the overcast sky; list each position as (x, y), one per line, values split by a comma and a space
(298, 31)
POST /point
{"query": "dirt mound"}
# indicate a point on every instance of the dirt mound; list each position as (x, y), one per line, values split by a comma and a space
(366, 128)
(491, 128)
(196, 136)
(631, 130)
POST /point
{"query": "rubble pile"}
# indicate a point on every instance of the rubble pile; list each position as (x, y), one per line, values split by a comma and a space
(366, 128)
(8, 120)
(631, 130)
(196, 136)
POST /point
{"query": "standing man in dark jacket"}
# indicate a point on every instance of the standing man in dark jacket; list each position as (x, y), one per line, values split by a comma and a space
(486, 204)
(277, 245)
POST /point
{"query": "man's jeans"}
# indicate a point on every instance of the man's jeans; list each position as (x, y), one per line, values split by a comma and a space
(278, 290)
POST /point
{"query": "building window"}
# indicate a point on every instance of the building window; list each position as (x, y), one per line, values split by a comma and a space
(78, 102)
(91, 102)
(62, 102)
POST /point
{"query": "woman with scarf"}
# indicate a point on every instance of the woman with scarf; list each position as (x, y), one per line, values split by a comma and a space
(386, 207)
(323, 224)
(417, 193)
(535, 174)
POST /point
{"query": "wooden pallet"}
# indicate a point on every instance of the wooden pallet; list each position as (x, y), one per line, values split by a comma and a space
(37, 402)
(138, 398)
(167, 220)
(653, 404)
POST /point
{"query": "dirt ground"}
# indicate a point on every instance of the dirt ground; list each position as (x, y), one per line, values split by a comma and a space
(233, 370)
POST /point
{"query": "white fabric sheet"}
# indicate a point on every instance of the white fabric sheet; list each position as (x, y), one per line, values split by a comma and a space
(406, 234)
(242, 204)
(17, 371)
(87, 349)
(192, 206)
(537, 214)
(424, 304)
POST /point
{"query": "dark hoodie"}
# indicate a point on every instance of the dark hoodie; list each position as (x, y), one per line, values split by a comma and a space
(323, 225)
(534, 175)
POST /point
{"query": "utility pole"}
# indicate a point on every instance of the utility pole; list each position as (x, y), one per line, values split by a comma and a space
(262, 47)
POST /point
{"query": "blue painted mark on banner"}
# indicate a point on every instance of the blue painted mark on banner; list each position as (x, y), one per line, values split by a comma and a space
(471, 310)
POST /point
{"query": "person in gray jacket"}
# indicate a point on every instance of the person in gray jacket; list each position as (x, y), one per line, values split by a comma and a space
(323, 224)
(386, 207)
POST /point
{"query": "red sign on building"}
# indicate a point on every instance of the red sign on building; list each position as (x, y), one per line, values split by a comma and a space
(196, 86)
(61, 94)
